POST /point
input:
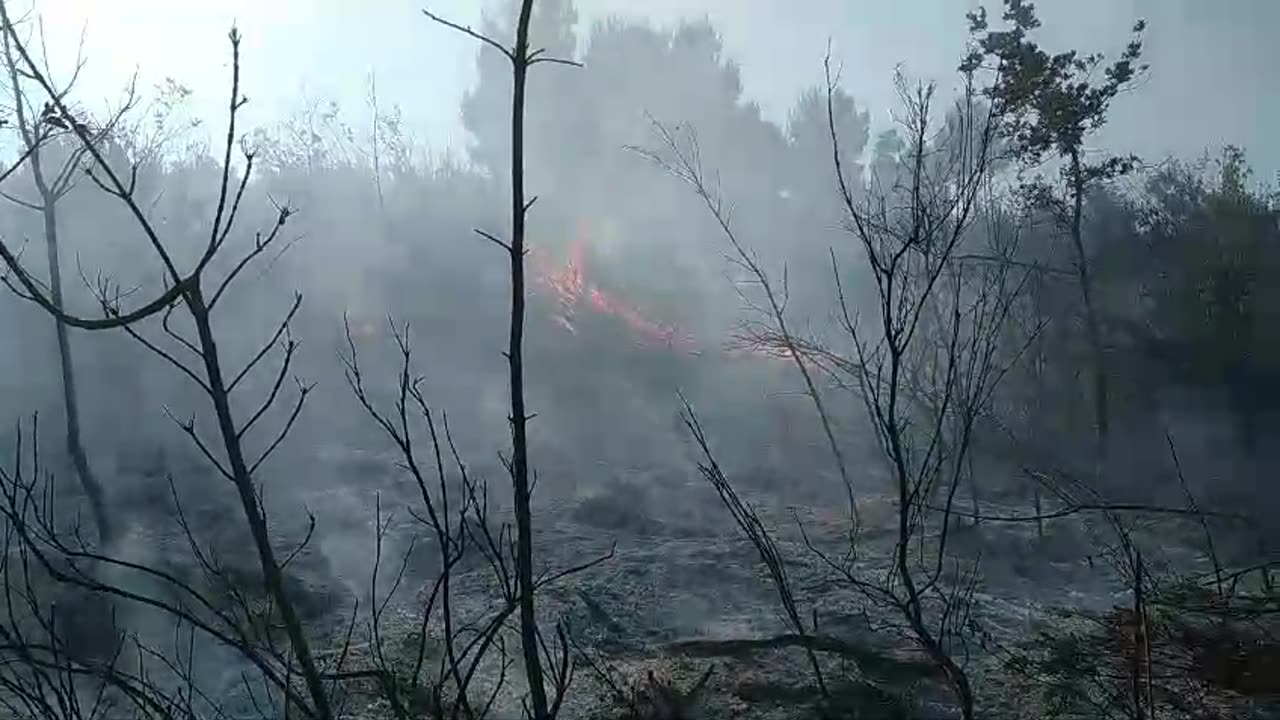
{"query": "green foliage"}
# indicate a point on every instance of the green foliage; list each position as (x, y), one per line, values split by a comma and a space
(1048, 101)
(1212, 277)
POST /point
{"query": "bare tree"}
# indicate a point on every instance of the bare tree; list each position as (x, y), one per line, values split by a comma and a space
(455, 520)
(50, 677)
(940, 321)
(456, 515)
(522, 58)
(927, 369)
(680, 156)
(38, 128)
(749, 522)
(198, 292)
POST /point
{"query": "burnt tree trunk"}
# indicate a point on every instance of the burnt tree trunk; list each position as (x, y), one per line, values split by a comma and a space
(515, 359)
(1101, 399)
(70, 397)
(32, 139)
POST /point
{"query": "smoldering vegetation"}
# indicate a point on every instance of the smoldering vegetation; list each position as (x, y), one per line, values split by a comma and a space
(965, 418)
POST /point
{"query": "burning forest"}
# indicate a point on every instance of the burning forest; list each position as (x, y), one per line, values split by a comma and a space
(711, 369)
(574, 292)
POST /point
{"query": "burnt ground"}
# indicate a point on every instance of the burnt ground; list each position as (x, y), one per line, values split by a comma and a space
(685, 591)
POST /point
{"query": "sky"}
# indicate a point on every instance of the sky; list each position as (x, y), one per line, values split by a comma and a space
(1212, 81)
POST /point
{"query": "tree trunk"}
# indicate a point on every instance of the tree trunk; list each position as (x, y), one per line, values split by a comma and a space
(1034, 424)
(70, 397)
(515, 360)
(1140, 662)
(1039, 513)
(272, 576)
(974, 500)
(48, 211)
(1100, 394)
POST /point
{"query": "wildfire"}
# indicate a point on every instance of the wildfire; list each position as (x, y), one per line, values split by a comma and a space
(574, 294)
(569, 285)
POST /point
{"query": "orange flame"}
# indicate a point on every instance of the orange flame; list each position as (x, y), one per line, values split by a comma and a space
(569, 285)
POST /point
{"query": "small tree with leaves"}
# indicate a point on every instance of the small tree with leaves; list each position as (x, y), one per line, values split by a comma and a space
(1049, 104)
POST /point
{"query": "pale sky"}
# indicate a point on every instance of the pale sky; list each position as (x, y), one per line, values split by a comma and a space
(1213, 78)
